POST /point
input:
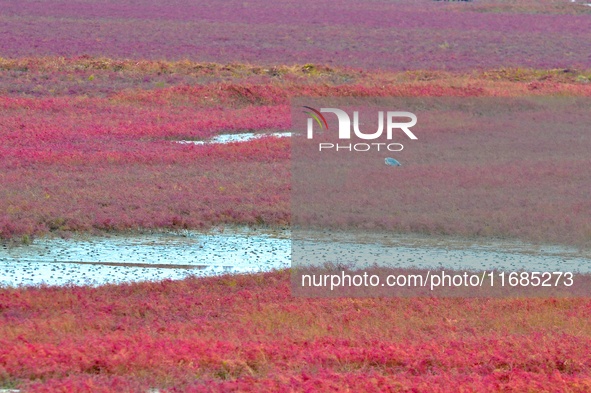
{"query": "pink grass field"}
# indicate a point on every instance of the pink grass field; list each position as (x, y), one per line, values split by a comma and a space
(247, 333)
(378, 34)
(93, 96)
(104, 159)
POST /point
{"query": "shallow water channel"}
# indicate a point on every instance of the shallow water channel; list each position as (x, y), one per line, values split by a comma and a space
(95, 260)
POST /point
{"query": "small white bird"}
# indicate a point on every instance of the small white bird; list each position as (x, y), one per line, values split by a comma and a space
(392, 162)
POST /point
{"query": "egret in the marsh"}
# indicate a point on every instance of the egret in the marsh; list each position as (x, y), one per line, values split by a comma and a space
(392, 162)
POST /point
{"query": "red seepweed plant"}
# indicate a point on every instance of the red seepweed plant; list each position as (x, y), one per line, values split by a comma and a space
(107, 160)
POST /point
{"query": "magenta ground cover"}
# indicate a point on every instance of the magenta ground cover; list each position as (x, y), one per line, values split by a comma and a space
(377, 35)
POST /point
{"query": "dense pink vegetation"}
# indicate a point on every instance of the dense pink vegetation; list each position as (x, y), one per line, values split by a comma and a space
(67, 166)
(249, 334)
(104, 159)
(417, 34)
(86, 144)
